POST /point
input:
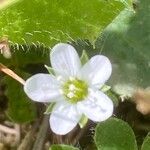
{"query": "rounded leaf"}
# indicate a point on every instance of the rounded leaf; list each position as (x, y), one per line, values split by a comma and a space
(146, 143)
(114, 134)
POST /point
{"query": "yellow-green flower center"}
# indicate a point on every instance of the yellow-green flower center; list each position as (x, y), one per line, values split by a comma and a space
(75, 90)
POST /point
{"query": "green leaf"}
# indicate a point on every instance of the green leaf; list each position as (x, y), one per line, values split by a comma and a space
(62, 147)
(84, 57)
(48, 22)
(114, 134)
(20, 108)
(146, 143)
(126, 42)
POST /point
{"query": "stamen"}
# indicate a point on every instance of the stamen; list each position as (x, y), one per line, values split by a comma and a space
(72, 87)
(70, 95)
(75, 90)
(59, 78)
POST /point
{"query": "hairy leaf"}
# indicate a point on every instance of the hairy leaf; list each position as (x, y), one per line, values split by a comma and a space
(47, 22)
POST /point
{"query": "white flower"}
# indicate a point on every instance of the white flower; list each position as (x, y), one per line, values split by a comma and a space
(74, 88)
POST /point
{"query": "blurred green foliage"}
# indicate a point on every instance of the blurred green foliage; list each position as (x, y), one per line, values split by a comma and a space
(20, 108)
(126, 42)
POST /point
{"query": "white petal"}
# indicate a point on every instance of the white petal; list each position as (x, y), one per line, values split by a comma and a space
(64, 118)
(97, 70)
(97, 107)
(65, 60)
(42, 88)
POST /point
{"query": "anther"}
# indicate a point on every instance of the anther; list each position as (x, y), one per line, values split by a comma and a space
(70, 95)
(59, 78)
(72, 87)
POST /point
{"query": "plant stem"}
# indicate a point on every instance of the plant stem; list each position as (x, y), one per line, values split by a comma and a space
(42, 134)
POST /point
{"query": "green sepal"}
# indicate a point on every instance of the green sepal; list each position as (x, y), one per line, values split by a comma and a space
(49, 108)
(105, 88)
(111, 94)
(83, 121)
(84, 57)
(50, 69)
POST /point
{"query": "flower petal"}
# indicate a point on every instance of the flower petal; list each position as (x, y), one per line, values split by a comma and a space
(64, 118)
(97, 70)
(65, 60)
(97, 107)
(42, 88)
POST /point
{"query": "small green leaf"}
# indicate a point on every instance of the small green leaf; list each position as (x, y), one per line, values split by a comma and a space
(146, 143)
(50, 69)
(114, 134)
(83, 121)
(62, 147)
(49, 108)
(84, 57)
